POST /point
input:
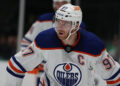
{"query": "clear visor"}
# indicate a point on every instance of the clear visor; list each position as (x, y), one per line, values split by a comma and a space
(62, 24)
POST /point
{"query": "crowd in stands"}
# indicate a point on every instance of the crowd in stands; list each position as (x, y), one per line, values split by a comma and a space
(8, 42)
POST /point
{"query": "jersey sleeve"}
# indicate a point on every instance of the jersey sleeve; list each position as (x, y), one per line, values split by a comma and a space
(35, 29)
(25, 61)
(108, 69)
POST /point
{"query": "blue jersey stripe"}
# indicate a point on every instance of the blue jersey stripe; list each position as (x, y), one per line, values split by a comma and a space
(19, 65)
(39, 82)
(48, 81)
(24, 45)
(12, 73)
(43, 61)
(27, 39)
(114, 76)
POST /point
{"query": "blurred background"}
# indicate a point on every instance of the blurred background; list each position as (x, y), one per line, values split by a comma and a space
(101, 17)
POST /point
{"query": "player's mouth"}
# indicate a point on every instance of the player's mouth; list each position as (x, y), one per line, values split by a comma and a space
(61, 33)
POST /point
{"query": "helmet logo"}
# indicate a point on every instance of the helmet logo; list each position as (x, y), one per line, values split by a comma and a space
(64, 8)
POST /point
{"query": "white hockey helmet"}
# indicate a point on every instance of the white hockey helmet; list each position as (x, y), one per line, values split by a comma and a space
(69, 12)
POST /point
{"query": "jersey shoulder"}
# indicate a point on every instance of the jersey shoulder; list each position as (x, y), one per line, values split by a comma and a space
(48, 39)
(46, 17)
(90, 43)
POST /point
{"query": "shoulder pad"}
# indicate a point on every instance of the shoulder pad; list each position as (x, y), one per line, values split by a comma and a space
(48, 39)
(89, 43)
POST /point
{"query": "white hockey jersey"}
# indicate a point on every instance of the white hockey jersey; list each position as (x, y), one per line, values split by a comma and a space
(43, 22)
(65, 65)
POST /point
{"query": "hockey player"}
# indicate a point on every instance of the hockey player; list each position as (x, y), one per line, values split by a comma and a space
(70, 53)
(43, 22)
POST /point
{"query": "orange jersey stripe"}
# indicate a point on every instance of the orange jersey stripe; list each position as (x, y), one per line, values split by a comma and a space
(50, 48)
(41, 67)
(113, 82)
(35, 71)
(15, 69)
(89, 53)
(43, 83)
(47, 48)
(73, 50)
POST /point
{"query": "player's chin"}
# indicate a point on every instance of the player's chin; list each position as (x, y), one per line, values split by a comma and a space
(61, 37)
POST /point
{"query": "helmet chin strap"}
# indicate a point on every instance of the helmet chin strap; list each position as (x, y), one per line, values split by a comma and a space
(71, 33)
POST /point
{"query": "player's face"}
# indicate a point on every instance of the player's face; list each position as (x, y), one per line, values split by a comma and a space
(57, 5)
(63, 28)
